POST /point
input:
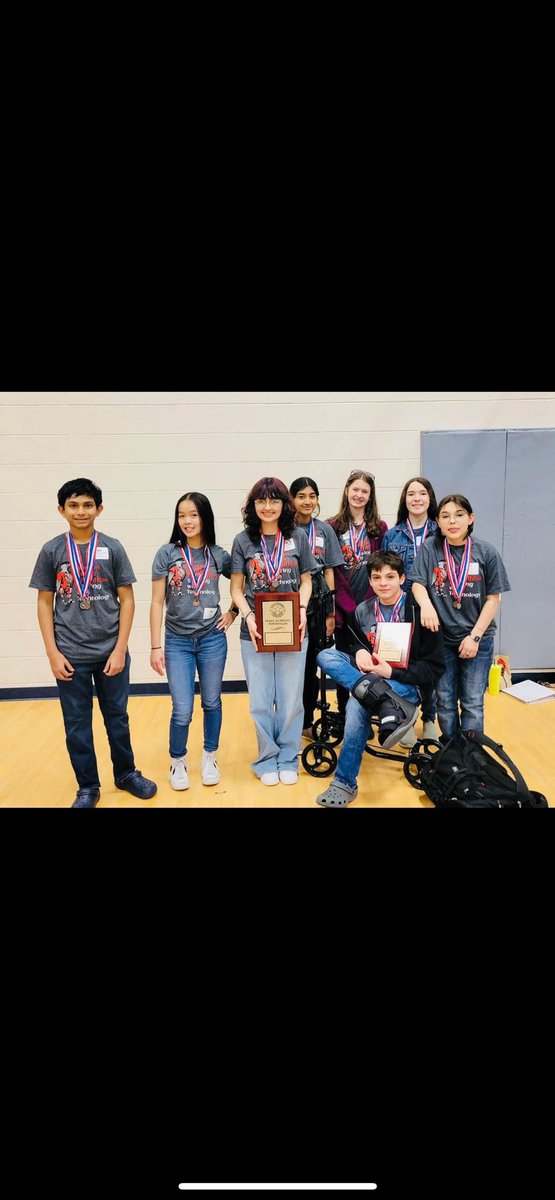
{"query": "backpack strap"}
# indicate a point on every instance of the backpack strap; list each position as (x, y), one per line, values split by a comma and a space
(481, 738)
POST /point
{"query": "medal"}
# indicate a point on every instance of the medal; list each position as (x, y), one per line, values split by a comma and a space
(197, 583)
(82, 575)
(356, 540)
(273, 562)
(457, 575)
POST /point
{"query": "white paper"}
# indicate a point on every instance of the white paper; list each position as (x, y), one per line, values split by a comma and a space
(528, 691)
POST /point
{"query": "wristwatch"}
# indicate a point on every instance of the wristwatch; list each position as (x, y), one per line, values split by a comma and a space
(476, 637)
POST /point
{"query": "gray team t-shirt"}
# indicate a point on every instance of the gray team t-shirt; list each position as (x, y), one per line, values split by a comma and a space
(486, 577)
(247, 559)
(327, 550)
(182, 616)
(84, 636)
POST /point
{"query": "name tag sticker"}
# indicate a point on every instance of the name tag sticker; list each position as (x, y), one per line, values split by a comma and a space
(290, 544)
(209, 613)
(102, 552)
(319, 541)
(474, 569)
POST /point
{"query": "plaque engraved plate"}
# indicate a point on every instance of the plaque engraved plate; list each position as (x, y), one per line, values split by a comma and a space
(277, 616)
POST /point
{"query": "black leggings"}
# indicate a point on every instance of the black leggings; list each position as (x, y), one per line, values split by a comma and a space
(342, 643)
(311, 686)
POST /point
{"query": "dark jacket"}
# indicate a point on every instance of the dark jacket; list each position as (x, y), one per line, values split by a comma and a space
(426, 660)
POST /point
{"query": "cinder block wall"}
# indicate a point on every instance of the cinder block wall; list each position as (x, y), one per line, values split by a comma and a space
(146, 448)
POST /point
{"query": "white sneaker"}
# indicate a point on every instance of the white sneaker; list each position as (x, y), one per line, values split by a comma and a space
(288, 777)
(269, 778)
(209, 768)
(178, 776)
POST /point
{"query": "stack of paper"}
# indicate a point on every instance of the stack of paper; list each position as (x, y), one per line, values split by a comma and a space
(529, 692)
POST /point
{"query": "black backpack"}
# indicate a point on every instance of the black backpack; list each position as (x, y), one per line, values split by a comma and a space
(463, 775)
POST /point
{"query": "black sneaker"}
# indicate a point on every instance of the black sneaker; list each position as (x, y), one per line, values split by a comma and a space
(136, 783)
(397, 716)
(87, 798)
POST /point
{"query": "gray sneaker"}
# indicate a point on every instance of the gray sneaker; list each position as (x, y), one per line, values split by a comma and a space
(409, 739)
(337, 796)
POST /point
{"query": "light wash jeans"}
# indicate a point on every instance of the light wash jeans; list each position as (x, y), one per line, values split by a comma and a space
(357, 718)
(275, 684)
(184, 656)
(464, 680)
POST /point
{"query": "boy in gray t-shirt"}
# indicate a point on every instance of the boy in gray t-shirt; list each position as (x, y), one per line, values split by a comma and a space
(85, 612)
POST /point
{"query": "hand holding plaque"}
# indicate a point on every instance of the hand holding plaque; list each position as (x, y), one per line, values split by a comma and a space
(277, 616)
(393, 639)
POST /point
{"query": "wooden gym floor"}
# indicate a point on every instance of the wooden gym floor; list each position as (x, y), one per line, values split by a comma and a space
(36, 772)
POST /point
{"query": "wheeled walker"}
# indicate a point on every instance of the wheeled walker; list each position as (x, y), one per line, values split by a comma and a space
(319, 757)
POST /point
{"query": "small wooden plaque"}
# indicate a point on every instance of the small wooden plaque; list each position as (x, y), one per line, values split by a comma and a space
(277, 616)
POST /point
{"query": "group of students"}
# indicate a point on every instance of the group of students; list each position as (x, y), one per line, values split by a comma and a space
(428, 570)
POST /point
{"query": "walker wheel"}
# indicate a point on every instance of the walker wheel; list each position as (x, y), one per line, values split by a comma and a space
(328, 729)
(319, 759)
(422, 752)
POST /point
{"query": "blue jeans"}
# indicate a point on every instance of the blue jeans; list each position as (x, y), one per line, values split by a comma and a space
(357, 718)
(76, 699)
(464, 680)
(184, 657)
(275, 684)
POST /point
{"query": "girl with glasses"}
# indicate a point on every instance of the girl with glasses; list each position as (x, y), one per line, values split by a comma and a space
(272, 554)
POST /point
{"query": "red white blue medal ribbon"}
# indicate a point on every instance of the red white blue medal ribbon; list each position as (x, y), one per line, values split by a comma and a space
(421, 535)
(457, 575)
(273, 562)
(395, 615)
(356, 539)
(82, 575)
(311, 534)
(197, 581)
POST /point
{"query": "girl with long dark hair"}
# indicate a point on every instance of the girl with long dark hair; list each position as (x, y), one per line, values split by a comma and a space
(327, 552)
(457, 580)
(185, 577)
(415, 522)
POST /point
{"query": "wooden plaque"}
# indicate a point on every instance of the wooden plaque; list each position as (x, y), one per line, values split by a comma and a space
(277, 616)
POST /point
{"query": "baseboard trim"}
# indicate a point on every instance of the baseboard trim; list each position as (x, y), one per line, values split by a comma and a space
(229, 687)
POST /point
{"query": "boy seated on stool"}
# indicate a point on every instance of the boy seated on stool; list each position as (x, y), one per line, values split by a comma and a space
(375, 686)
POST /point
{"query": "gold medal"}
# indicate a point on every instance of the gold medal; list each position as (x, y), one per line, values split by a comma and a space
(196, 603)
(84, 604)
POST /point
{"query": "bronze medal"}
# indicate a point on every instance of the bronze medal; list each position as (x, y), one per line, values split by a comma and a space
(196, 603)
(457, 604)
(84, 604)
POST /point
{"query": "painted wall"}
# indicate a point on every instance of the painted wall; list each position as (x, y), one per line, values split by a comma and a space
(146, 448)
